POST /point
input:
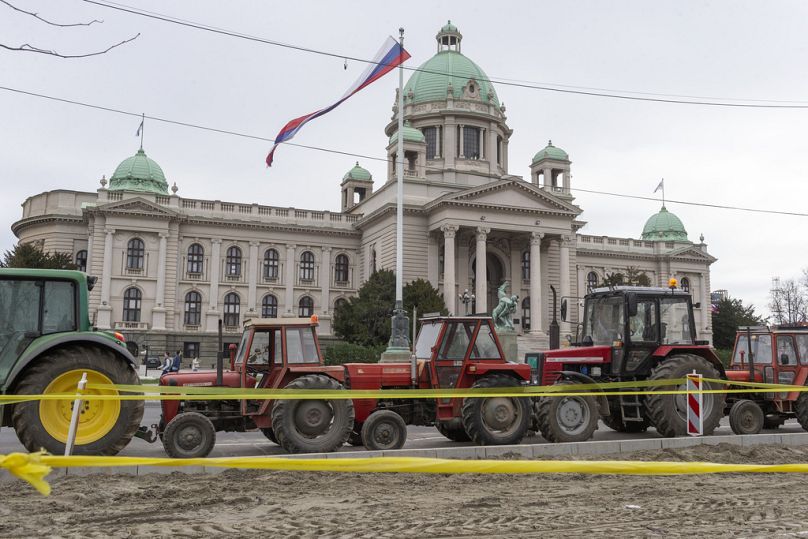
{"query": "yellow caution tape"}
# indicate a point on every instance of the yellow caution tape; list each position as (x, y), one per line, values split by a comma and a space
(33, 468)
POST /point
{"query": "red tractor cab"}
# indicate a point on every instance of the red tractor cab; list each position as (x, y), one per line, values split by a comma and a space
(627, 334)
(772, 355)
(274, 353)
(449, 353)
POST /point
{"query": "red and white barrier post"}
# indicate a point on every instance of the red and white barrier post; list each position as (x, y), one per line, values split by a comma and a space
(695, 424)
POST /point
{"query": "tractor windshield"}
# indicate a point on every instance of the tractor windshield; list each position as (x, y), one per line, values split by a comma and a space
(603, 320)
(761, 350)
(426, 340)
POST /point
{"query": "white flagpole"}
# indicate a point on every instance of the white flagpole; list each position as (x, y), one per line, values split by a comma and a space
(400, 184)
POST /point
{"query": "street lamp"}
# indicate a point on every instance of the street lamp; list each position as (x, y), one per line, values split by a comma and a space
(466, 298)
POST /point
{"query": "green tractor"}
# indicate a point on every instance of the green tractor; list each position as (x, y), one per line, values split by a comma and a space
(46, 343)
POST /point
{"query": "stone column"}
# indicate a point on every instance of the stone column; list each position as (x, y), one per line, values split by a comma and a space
(159, 311)
(536, 313)
(432, 254)
(548, 178)
(481, 278)
(289, 297)
(215, 266)
(105, 309)
(565, 280)
(462, 138)
(90, 251)
(706, 308)
(450, 142)
(492, 148)
(325, 279)
(449, 292)
(252, 279)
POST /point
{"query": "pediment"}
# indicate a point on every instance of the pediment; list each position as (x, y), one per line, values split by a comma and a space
(136, 206)
(692, 253)
(508, 194)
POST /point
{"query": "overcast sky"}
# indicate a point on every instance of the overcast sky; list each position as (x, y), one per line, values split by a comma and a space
(732, 156)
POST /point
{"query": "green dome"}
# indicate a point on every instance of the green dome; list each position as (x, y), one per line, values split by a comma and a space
(664, 226)
(410, 135)
(551, 152)
(357, 173)
(139, 173)
(431, 81)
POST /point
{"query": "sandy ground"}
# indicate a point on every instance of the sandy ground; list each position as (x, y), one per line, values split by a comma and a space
(314, 505)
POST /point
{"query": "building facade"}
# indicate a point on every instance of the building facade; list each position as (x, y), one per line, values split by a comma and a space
(171, 267)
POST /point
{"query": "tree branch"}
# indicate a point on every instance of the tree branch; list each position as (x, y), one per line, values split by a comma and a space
(25, 47)
(36, 16)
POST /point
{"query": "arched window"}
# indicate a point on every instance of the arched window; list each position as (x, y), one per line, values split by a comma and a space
(271, 264)
(233, 262)
(685, 284)
(341, 269)
(193, 308)
(196, 255)
(340, 303)
(269, 306)
(132, 298)
(307, 266)
(135, 251)
(525, 265)
(591, 281)
(305, 307)
(81, 260)
(232, 308)
(526, 313)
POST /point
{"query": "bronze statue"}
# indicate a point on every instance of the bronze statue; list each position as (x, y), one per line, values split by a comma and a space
(502, 313)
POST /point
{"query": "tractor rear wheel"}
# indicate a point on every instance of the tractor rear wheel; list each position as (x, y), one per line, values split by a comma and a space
(313, 426)
(496, 420)
(668, 413)
(455, 434)
(615, 421)
(746, 417)
(801, 410)
(384, 430)
(567, 419)
(190, 435)
(105, 427)
(270, 434)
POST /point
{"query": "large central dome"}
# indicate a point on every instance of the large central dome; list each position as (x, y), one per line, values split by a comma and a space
(431, 81)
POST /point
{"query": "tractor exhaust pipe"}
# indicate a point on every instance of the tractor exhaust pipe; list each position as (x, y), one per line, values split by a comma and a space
(555, 330)
(749, 357)
(413, 359)
(220, 358)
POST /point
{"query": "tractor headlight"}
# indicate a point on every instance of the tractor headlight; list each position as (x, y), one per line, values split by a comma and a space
(596, 372)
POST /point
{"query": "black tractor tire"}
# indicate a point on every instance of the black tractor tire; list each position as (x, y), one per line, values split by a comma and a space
(270, 434)
(772, 422)
(801, 410)
(313, 426)
(746, 417)
(668, 413)
(454, 434)
(496, 420)
(383, 431)
(190, 435)
(27, 419)
(567, 419)
(615, 421)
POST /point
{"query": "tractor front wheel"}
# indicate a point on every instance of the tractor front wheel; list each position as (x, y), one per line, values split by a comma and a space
(105, 426)
(567, 419)
(189, 435)
(384, 430)
(746, 417)
(801, 409)
(668, 413)
(496, 420)
(313, 425)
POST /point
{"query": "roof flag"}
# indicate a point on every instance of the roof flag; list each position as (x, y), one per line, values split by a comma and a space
(390, 55)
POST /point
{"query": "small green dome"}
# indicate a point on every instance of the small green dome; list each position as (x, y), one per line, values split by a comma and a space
(139, 173)
(431, 81)
(664, 226)
(410, 135)
(551, 152)
(357, 173)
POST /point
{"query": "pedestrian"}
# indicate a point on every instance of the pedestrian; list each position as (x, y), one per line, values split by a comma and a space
(177, 363)
(195, 364)
(167, 361)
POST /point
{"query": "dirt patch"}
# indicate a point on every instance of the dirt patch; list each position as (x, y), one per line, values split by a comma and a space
(295, 504)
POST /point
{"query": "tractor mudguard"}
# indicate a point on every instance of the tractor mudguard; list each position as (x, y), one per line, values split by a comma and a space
(577, 377)
(47, 342)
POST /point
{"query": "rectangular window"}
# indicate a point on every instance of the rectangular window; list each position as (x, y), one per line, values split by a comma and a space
(300, 347)
(802, 347)
(458, 338)
(786, 355)
(431, 136)
(60, 307)
(190, 350)
(471, 142)
(761, 350)
(484, 345)
(675, 318)
(499, 150)
(642, 327)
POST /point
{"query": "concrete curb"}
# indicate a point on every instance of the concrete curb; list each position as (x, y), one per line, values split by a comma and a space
(524, 451)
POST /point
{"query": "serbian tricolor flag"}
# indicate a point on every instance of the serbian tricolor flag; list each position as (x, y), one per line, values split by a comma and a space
(390, 56)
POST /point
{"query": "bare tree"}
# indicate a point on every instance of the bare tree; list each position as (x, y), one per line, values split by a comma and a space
(27, 47)
(788, 302)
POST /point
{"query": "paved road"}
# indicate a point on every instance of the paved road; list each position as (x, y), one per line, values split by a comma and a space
(242, 444)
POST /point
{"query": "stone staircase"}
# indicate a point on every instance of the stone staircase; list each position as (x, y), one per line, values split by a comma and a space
(530, 342)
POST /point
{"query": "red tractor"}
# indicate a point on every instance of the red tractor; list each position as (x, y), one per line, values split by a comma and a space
(274, 353)
(449, 353)
(627, 334)
(772, 355)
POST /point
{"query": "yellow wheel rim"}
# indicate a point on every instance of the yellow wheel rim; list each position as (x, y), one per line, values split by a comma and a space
(97, 417)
